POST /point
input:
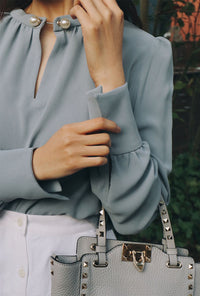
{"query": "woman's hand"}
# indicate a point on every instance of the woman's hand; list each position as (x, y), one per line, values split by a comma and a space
(102, 23)
(73, 148)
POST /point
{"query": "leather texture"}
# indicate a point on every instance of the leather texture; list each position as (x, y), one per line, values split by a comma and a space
(121, 278)
(66, 278)
(197, 280)
(161, 275)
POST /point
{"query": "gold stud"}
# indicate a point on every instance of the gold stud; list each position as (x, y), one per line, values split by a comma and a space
(101, 223)
(85, 264)
(101, 212)
(84, 275)
(84, 286)
(190, 287)
(52, 263)
(93, 247)
(169, 237)
(165, 220)
(101, 234)
(148, 247)
(190, 266)
(190, 277)
(163, 212)
(52, 272)
(167, 228)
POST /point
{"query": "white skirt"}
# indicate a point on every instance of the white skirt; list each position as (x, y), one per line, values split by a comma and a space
(27, 242)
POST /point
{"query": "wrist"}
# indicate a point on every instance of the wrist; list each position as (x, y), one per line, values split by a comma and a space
(36, 163)
(110, 85)
(112, 80)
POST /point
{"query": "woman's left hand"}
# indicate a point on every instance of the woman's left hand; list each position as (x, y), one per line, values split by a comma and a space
(102, 23)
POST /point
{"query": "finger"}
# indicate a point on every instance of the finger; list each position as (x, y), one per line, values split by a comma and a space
(93, 161)
(104, 9)
(79, 12)
(97, 124)
(90, 8)
(112, 4)
(97, 139)
(101, 150)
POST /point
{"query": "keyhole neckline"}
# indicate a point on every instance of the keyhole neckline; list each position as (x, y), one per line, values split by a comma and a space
(36, 95)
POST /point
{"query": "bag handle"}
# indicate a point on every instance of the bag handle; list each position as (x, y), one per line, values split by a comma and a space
(168, 241)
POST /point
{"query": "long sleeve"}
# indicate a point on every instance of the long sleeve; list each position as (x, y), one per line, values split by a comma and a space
(131, 183)
(17, 179)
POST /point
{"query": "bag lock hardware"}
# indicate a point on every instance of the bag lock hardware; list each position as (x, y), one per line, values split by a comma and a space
(139, 254)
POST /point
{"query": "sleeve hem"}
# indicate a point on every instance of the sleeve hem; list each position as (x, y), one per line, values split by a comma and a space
(18, 179)
(46, 185)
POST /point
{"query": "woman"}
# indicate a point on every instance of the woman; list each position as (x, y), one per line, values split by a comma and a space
(85, 120)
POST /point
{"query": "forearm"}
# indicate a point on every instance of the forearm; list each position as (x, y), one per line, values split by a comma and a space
(112, 78)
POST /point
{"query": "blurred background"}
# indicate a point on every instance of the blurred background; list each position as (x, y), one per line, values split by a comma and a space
(179, 21)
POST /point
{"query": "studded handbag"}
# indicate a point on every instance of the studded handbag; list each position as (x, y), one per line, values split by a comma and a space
(109, 267)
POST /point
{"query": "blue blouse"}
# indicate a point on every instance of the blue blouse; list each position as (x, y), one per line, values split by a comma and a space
(130, 185)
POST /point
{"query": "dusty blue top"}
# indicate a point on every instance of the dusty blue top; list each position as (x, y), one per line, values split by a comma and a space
(130, 185)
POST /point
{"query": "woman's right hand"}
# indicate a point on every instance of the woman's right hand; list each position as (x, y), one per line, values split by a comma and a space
(73, 147)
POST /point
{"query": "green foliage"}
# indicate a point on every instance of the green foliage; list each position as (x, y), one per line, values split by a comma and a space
(180, 22)
(177, 116)
(188, 8)
(185, 206)
(136, 2)
(179, 85)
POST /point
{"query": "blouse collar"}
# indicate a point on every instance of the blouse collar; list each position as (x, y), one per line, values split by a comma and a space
(62, 22)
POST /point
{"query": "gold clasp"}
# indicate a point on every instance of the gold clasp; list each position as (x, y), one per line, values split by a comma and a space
(138, 254)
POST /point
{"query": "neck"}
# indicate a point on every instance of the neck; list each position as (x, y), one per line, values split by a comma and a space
(49, 8)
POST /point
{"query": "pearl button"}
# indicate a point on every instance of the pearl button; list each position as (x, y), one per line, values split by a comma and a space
(35, 20)
(21, 272)
(19, 222)
(64, 23)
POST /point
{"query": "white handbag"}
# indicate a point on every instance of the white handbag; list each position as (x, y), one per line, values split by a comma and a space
(106, 267)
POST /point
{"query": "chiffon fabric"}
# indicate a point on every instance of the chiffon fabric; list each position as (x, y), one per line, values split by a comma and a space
(130, 185)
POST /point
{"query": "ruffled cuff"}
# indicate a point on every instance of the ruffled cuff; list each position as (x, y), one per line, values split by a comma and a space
(116, 106)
